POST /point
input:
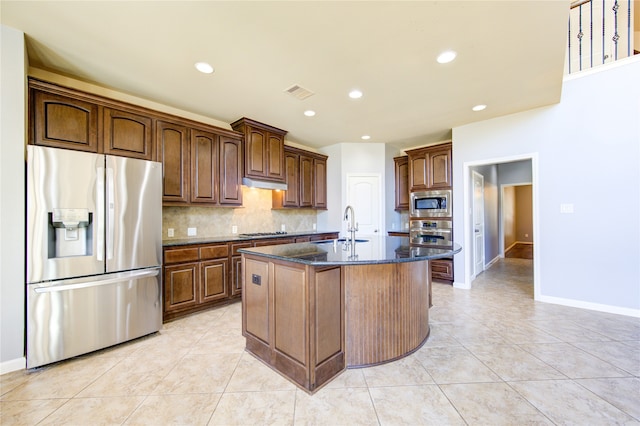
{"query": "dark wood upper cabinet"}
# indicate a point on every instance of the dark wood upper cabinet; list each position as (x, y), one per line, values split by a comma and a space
(172, 140)
(291, 197)
(264, 150)
(61, 121)
(402, 182)
(306, 174)
(306, 181)
(430, 167)
(230, 154)
(127, 134)
(440, 168)
(320, 182)
(204, 167)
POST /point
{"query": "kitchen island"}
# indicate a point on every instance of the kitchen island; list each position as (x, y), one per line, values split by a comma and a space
(311, 310)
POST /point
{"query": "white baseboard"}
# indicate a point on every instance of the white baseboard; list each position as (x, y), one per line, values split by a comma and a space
(494, 260)
(13, 365)
(461, 285)
(591, 306)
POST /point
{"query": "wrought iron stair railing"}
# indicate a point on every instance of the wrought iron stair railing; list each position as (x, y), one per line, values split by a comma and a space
(599, 32)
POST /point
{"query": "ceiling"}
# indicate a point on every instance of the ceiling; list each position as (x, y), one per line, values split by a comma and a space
(510, 56)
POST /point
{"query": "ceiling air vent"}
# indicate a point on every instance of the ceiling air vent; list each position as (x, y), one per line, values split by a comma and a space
(299, 92)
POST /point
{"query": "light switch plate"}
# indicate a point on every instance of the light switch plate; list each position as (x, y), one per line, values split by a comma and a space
(566, 208)
(191, 232)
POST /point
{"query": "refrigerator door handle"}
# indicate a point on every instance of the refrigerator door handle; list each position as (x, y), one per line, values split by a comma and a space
(92, 282)
(110, 212)
(99, 214)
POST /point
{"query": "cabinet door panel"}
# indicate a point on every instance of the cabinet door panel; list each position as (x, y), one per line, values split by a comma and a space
(275, 148)
(292, 194)
(173, 152)
(204, 167)
(418, 169)
(230, 171)
(320, 183)
(255, 161)
(256, 298)
(180, 283)
(306, 181)
(64, 122)
(439, 169)
(213, 285)
(402, 183)
(127, 134)
(290, 314)
(236, 275)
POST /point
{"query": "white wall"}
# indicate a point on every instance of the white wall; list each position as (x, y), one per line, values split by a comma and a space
(587, 149)
(345, 158)
(12, 205)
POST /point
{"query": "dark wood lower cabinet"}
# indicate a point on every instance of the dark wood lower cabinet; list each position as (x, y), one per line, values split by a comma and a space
(199, 276)
(213, 275)
(180, 284)
(442, 269)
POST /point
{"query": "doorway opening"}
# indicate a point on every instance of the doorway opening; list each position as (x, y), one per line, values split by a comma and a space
(517, 221)
(507, 224)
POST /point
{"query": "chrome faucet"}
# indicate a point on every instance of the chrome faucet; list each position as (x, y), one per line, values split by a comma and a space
(353, 226)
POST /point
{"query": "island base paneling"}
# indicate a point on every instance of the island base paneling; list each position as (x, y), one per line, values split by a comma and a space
(387, 313)
(293, 319)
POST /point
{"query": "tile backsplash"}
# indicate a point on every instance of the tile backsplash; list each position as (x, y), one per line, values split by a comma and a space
(256, 215)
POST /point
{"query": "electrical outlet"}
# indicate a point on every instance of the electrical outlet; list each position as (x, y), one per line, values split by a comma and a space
(170, 232)
(314, 226)
(526, 235)
(234, 229)
(191, 232)
(283, 228)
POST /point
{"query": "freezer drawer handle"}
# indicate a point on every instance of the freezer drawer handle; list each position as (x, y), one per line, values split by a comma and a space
(75, 286)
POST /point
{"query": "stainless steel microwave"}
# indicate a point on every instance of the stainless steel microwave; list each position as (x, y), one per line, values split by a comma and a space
(435, 203)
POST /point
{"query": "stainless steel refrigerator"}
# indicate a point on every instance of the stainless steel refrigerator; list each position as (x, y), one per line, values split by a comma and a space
(94, 247)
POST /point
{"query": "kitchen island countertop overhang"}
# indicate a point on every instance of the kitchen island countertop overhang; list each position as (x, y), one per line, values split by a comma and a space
(311, 310)
(366, 251)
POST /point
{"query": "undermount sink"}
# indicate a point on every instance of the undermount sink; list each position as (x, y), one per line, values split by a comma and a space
(340, 240)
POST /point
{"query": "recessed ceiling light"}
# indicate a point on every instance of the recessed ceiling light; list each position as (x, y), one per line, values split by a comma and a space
(446, 57)
(309, 113)
(355, 94)
(204, 67)
(479, 107)
(366, 137)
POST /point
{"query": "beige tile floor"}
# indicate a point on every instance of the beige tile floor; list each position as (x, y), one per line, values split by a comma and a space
(494, 357)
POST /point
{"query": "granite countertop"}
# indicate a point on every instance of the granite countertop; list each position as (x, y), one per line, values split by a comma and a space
(237, 237)
(365, 252)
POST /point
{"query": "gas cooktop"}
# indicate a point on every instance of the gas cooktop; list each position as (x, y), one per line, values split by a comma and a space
(263, 234)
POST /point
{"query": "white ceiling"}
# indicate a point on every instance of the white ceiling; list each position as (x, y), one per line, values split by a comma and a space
(510, 57)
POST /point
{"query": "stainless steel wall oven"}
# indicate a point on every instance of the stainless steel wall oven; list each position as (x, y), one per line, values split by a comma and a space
(431, 233)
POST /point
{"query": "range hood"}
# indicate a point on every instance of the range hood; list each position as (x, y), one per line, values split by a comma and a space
(263, 184)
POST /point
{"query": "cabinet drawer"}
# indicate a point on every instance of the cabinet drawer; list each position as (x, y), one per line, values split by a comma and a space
(180, 255)
(442, 269)
(214, 252)
(236, 246)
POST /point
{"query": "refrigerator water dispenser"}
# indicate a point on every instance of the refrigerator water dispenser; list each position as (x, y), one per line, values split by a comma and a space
(70, 233)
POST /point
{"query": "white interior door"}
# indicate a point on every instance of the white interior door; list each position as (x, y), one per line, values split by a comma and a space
(478, 222)
(363, 194)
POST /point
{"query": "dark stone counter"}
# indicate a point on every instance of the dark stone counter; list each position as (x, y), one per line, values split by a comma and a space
(377, 250)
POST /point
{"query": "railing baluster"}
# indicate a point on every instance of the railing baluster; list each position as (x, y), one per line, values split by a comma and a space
(612, 31)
